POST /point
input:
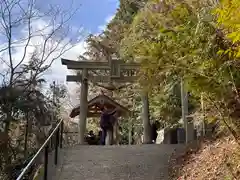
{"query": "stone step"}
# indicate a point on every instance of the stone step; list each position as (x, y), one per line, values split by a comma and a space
(136, 162)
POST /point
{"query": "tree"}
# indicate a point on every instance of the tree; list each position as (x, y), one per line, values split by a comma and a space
(44, 42)
(32, 38)
(39, 47)
(183, 40)
(228, 19)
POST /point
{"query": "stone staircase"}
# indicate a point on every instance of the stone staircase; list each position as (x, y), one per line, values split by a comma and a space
(136, 162)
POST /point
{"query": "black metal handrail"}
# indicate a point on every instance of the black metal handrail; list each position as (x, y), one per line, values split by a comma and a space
(58, 131)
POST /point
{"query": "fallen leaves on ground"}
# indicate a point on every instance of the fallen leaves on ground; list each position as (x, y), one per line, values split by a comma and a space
(213, 160)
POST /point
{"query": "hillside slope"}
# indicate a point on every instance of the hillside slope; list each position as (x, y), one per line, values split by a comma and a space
(214, 160)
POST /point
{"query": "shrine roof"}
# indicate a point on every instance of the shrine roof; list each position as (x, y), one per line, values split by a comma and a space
(96, 103)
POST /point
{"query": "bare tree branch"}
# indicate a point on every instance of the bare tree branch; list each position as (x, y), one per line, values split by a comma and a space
(16, 15)
(29, 17)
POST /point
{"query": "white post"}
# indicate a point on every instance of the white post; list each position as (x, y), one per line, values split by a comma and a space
(130, 131)
(184, 101)
(203, 115)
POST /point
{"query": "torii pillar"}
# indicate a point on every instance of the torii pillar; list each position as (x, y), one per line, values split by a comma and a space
(145, 119)
(83, 106)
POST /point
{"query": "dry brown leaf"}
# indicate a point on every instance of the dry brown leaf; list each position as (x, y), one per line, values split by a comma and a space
(209, 162)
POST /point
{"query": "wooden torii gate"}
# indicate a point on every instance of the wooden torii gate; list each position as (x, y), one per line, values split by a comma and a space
(119, 72)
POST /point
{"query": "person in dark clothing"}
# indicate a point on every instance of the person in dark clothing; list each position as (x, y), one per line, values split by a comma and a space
(106, 123)
(154, 128)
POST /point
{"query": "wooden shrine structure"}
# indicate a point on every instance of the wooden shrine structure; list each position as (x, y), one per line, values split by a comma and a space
(96, 103)
(118, 72)
(94, 106)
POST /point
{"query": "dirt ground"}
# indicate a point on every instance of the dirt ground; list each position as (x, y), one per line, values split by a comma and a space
(211, 160)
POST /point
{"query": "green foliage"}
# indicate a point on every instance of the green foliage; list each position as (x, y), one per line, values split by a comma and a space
(165, 45)
(174, 40)
(166, 104)
(25, 109)
(105, 45)
(229, 19)
(171, 42)
(182, 41)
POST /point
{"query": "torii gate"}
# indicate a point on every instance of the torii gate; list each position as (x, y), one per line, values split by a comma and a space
(120, 72)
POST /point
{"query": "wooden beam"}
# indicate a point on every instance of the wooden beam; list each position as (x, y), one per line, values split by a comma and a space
(85, 64)
(99, 65)
(102, 79)
(90, 66)
(130, 66)
(77, 63)
(78, 78)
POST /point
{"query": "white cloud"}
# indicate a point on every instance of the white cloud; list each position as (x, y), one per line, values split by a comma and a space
(78, 49)
(57, 72)
(107, 20)
(60, 71)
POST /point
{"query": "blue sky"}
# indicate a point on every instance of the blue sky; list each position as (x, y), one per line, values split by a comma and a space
(91, 16)
(91, 13)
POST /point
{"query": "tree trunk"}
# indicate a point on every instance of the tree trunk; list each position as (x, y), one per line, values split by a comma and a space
(26, 137)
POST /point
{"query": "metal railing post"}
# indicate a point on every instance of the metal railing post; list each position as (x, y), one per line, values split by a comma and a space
(56, 147)
(46, 162)
(61, 135)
